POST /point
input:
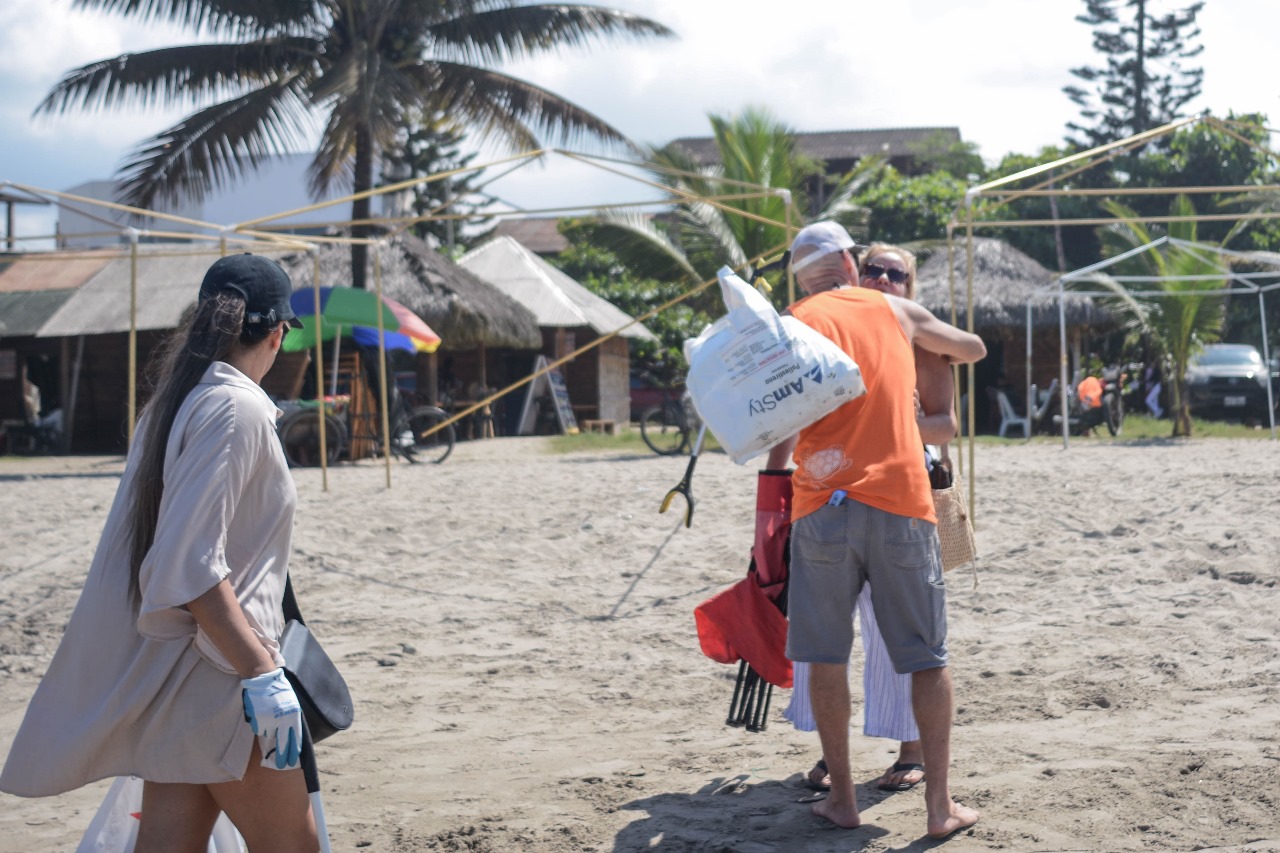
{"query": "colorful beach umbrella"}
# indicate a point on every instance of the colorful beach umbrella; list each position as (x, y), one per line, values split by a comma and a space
(348, 312)
(343, 306)
(340, 308)
(414, 335)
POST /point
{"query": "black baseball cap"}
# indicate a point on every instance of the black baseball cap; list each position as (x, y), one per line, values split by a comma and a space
(262, 282)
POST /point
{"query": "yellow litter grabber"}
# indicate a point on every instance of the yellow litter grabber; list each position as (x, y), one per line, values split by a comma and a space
(685, 486)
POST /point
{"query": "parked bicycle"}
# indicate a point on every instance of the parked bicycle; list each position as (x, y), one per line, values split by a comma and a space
(669, 428)
(413, 434)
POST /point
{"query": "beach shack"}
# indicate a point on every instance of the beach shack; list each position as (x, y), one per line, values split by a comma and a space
(569, 316)
(67, 323)
(1006, 281)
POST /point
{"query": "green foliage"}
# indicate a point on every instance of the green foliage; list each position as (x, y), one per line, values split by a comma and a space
(1198, 155)
(754, 148)
(427, 147)
(1242, 323)
(938, 152)
(1144, 81)
(1176, 325)
(1080, 245)
(904, 209)
(1204, 155)
(688, 245)
(600, 271)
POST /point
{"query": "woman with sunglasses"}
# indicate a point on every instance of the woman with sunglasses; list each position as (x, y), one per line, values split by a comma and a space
(892, 270)
(887, 713)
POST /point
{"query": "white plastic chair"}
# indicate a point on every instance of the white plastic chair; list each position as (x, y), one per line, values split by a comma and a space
(1008, 417)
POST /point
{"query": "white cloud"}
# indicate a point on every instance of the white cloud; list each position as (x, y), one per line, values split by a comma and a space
(42, 39)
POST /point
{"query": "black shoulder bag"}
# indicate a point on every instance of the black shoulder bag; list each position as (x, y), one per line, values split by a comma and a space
(322, 691)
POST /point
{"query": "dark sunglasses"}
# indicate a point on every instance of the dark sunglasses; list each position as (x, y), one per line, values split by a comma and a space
(875, 271)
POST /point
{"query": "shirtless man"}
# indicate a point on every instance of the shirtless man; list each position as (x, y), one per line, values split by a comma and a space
(862, 511)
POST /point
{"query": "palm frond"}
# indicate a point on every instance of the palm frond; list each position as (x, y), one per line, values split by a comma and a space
(208, 14)
(178, 74)
(505, 33)
(1136, 314)
(867, 171)
(712, 240)
(505, 109)
(1185, 230)
(637, 243)
(214, 146)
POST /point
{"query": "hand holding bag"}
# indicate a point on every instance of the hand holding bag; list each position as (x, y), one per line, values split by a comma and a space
(321, 690)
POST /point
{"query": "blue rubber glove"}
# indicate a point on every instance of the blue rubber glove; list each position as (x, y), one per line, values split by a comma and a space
(272, 711)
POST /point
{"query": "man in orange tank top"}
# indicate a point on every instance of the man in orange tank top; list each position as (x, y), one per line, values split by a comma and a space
(862, 511)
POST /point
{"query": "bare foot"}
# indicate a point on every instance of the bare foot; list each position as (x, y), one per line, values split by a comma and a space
(960, 817)
(840, 813)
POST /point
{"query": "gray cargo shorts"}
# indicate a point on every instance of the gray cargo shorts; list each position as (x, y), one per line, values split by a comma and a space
(837, 549)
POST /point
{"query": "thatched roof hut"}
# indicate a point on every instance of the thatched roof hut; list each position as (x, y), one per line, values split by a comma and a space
(465, 310)
(1004, 281)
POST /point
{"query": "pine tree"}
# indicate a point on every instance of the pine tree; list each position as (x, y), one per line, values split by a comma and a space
(427, 147)
(1144, 83)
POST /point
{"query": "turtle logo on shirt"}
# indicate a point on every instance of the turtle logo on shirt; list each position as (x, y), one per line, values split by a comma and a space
(821, 465)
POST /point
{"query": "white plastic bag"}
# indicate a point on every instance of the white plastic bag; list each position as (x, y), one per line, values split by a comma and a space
(757, 378)
(114, 829)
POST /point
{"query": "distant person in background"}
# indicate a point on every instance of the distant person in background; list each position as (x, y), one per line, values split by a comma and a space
(1151, 380)
(30, 399)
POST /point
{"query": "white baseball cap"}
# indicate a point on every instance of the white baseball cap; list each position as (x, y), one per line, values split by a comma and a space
(816, 240)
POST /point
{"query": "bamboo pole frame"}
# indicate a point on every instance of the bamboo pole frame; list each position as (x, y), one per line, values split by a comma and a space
(995, 191)
(247, 234)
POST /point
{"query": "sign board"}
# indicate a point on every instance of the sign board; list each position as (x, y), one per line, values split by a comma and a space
(550, 384)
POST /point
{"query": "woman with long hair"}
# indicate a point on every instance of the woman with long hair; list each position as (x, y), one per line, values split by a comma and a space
(170, 667)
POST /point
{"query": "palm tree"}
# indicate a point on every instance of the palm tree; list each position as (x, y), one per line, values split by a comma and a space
(359, 65)
(1189, 316)
(754, 148)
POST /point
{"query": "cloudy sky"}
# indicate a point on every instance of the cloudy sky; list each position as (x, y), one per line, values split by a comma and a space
(993, 68)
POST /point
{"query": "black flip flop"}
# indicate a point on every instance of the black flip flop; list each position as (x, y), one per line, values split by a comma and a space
(817, 786)
(902, 767)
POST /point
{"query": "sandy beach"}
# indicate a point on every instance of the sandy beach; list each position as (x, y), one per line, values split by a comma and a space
(517, 629)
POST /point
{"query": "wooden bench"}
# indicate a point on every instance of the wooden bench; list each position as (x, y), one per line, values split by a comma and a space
(602, 426)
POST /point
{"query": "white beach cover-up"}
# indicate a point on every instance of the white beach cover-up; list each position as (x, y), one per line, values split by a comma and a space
(145, 693)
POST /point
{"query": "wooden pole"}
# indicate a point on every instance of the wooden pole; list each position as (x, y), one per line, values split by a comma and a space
(1062, 363)
(955, 368)
(320, 412)
(69, 414)
(970, 369)
(1031, 403)
(382, 361)
(131, 234)
(791, 279)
